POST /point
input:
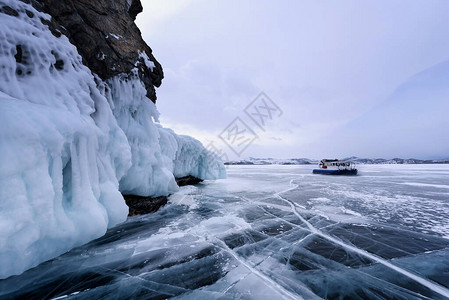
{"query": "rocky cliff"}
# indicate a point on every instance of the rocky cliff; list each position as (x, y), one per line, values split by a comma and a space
(106, 37)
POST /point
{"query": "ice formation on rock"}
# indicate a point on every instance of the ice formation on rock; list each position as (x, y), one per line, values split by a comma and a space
(71, 143)
(158, 154)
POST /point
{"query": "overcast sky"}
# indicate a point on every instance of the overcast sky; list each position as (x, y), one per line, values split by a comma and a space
(345, 77)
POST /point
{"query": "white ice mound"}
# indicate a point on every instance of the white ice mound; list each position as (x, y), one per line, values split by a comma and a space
(192, 159)
(70, 144)
(150, 173)
(158, 154)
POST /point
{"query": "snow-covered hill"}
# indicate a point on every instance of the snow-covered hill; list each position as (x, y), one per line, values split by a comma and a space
(357, 160)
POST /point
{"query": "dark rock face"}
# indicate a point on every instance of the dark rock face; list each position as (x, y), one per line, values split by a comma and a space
(187, 180)
(9, 11)
(106, 37)
(139, 205)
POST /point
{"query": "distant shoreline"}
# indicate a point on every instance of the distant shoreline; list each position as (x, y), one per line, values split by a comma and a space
(357, 160)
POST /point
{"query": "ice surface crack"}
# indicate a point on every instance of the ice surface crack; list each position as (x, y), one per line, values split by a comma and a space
(270, 282)
(427, 283)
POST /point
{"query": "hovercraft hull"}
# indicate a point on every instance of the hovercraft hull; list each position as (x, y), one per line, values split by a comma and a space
(335, 172)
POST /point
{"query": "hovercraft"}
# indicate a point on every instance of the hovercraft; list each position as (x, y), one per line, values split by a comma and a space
(335, 167)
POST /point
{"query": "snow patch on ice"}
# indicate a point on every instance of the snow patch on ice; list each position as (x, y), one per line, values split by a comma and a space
(187, 195)
(339, 214)
(441, 229)
(319, 199)
(438, 186)
(220, 226)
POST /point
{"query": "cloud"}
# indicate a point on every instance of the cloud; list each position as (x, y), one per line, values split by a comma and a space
(412, 122)
(324, 63)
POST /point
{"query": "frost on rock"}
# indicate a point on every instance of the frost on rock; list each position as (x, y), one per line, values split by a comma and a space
(70, 144)
(148, 63)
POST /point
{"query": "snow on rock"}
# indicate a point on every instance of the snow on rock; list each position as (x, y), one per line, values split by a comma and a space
(70, 144)
(106, 37)
(148, 63)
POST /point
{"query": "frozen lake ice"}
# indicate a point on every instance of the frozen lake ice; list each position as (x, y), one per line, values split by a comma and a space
(269, 232)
